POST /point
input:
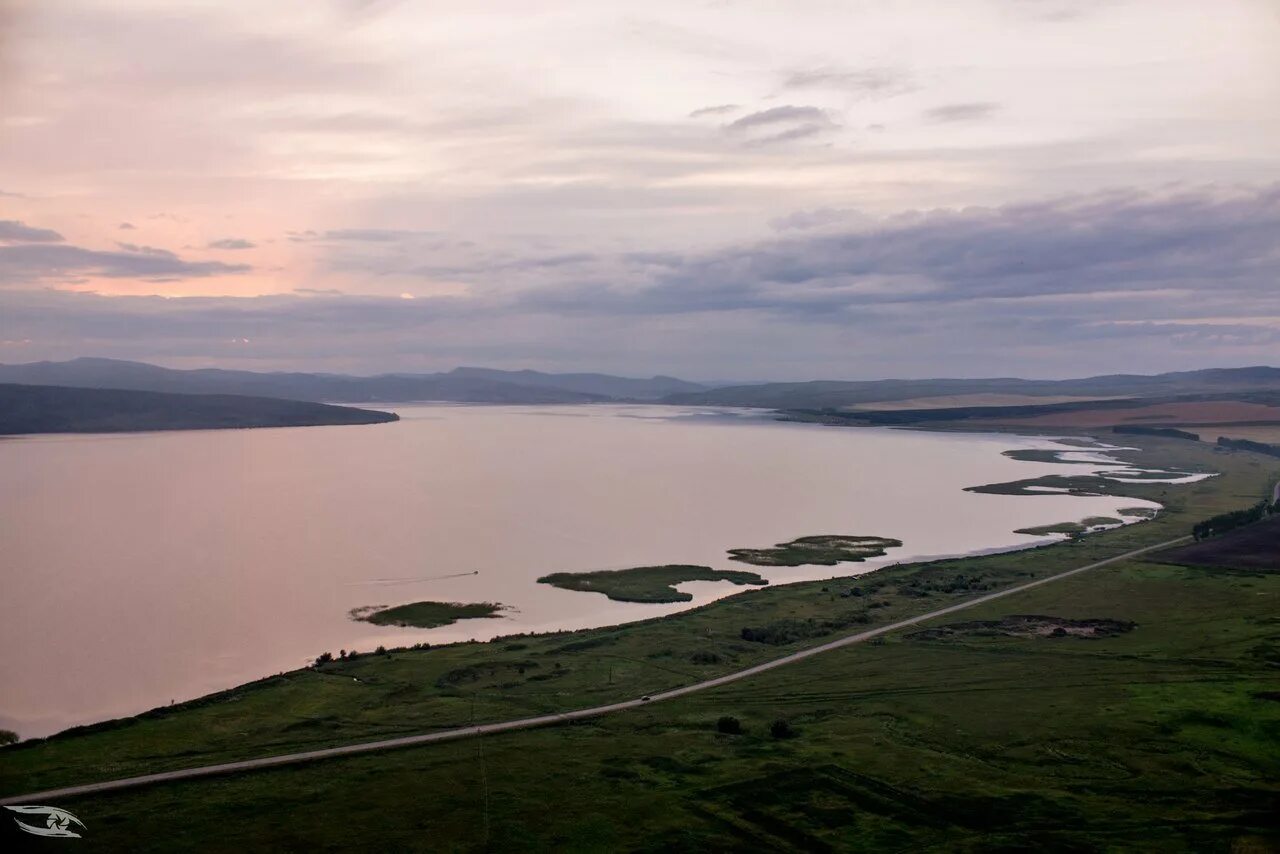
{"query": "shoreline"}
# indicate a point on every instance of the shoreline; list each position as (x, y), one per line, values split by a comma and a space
(440, 688)
(850, 571)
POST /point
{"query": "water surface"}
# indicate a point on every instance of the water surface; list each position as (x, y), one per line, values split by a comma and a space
(144, 568)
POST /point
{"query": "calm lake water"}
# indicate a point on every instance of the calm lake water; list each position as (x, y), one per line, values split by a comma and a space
(143, 568)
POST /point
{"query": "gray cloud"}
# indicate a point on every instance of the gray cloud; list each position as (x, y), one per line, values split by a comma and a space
(126, 226)
(231, 243)
(13, 231)
(27, 263)
(787, 114)
(868, 82)
(780, 124)
(962, 112)
(146, 250)
(720, 110)
(1143, 281)
(1209, 241)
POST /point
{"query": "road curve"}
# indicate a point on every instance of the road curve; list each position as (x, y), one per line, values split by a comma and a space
(559, 717)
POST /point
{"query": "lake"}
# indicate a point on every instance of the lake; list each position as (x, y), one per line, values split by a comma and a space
(144, 568)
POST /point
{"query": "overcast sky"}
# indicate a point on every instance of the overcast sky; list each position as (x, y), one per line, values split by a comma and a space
(719, 189)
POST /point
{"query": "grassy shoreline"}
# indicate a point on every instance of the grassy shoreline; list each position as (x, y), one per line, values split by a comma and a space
(418, 690)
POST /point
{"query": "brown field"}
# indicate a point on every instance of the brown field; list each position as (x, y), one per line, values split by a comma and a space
(1255, 546)
(951, 400)
(1189, 414)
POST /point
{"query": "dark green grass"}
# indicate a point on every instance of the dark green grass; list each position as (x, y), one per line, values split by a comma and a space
(646, 583)
(426, 615)
(1157, 739)
(1073, 528)
(819, 550)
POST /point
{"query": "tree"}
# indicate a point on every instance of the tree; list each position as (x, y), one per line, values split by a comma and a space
(8, 736)
(729, 725)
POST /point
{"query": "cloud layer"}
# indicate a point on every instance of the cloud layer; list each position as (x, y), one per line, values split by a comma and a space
(1159, 277)
(742, 189)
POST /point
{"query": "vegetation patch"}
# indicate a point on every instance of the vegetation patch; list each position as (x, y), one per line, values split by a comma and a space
(1247, 445)
(426, 615)
(1138, 512)
(1029, 626)
(781, 632)
(1045, 455)
(1084, 526)
(1089, 484)
(1166, 432)
(821, 550)
(646, 583)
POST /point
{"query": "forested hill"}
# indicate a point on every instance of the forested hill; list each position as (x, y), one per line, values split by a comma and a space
(58, 409)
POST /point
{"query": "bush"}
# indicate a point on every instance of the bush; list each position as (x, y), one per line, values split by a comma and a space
(704, 657)
(729, 725)
(325, 658)
(1224, 522)
(8, 736)
(781, 729)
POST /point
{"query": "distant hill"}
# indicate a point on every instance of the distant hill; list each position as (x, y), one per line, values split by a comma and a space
(829, 394)
(58, 409)
(386, 388)
(487, 385)
(604, 385)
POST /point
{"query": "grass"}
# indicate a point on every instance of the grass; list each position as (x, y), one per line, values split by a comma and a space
(1159, 738)
(1044, 455)
(820, 550)
(1070, 528)
(646, 583)
(427, 615)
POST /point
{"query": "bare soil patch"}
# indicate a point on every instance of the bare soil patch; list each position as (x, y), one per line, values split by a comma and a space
(1029, 626)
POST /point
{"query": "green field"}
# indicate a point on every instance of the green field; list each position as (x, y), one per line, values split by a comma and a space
(1164, 736)
(646, 583)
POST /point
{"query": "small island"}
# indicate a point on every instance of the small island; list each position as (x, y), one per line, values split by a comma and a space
(426, 615)
(819, 550)
(1072, 529)
(1046, 455)
(649, 584)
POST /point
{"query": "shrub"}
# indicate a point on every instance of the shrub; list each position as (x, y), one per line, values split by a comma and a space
(704, 657)
(729, 725)
(781, 729)
(8, 736)
(325, 658)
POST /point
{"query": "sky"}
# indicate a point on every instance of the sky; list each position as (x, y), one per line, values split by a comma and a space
(723, 190)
